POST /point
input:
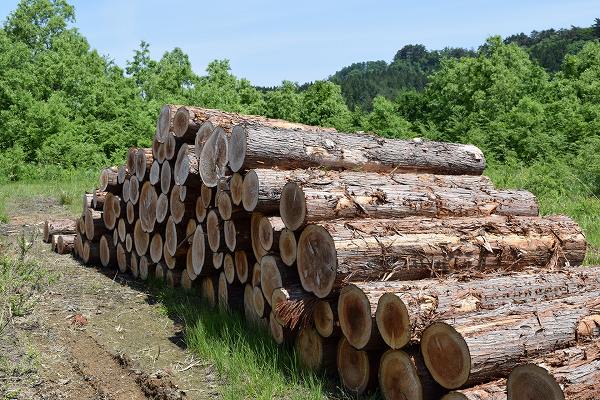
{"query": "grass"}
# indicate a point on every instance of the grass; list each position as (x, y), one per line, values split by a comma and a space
(250, 363)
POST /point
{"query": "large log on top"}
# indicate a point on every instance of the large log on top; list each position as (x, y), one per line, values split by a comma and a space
(420, 248)
(253, 146)
(487, 345)
(57, 227)
(401, 310)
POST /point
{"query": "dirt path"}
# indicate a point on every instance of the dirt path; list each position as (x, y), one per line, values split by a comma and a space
(96, 336)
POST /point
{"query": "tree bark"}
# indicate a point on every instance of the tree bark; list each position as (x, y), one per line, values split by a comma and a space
(65, 244)
(57, 227)
(258, 145)
(487, 345)
(416, 248)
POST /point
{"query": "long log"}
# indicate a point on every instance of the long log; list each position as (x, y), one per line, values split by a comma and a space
(487, 345)
(258, 145)
(417, 248)
(405, 308)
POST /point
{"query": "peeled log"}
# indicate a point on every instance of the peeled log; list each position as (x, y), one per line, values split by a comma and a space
(416, 248)
(254, 146)
(328, 195)
(487, 345)
(57, 227)
(405, 308)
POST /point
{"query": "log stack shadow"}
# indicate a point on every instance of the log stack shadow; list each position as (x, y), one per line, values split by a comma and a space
(393, 264)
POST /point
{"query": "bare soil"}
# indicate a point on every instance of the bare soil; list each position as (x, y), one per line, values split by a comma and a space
(93, 334)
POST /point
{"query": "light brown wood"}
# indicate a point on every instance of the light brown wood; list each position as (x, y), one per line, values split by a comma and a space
(65, 244)
(94, 225)
(315, 352)
(356, 370)
(141, 239)
(255, 281)
(166, 178)
(170, 148)
(132, 213)
(419, 247)
(325, 318)
(258, 250)
(213, 158)
(229, 268)
(130, 162)
(58, 227)
(109, 181)
(208, 290)
(269, 230)
(242, 265)
(143, 163)
(280, 334)
(154, 175)
(202, 136)
(164, 125)
(182, 206)
(174, 236)
(134, 190)
(91, 252)
(275, 274)
(147, 207)
(217, 260)
(146, 268)
(356, 312)
(259, 145)
(122, 259)
(156, 247)
(108, 252)
(487, 345)
(236, 184)
(214, 232)
(162, 209)
(288, 246)
(186, 166)
(261, 307)
(200, 210)
(134, 265)
(292, 305)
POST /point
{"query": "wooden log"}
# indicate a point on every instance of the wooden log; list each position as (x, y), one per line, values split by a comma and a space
(280, 334)
(91, 252)
(315, 352)
(259, 145)
(201, 258)
(170, 148)
(156, 247)
(236, 234)
(154, 175)
(166, 178)
(94, 225)
(258, 250)
(242, 265)
(213, 158)
(201, 211)
(130, 163)
(175, 235)
(421, 247)
(108, 252)
(249, 312)
(487, 345)
(217, 260)
(132, 213)
(202, 135)
(164, 125)
(146, 268)
(122, 260)
(98, 199)
(186, 167)
(255, 281)
(122, 229)
(261, 307)
(113, 209)
(65, 244)
(179, 260)
(143, 163)
(141, 239)
(288, 246)
(122, 174)
(54, 243)
(87, 201)
(424, 301)
(129, 242)
(331, 195)
(134, 265)
(206, 194)
(357, 369)
(157, 151)
(182, 205)
(162, 209)
(403, 375)
(269, 230)
(356, 311)
(214, 232)
(225, 206)
(485, 391)
(275, 274)
(160, 272)
(230, 297)
(325, 318)
(292, 305)
(58, 227)
(186, 282)
(229, 268)
(109, 181)
(236, 184)
(189, 265)
(208, 290)
(173, 278)
(134, 190)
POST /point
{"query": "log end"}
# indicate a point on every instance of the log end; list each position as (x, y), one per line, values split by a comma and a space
(208, 292)
(181, 121)
(309, 348)
(316, 260)
(530, 381)
(163, 125)
(213, 158)
(237, 148)
(213, 231)
(236, 185)
(398, 378)
(276, 329)
(198, 249)
(288, 246)
(241, 265)
(206, 129)
(393, 321)
(229, 268)
(292, 206)
(323, 318)
(446, 355)
(259, 301)
(353, 367)
(250, 188)
(270, 277)
(354, 311)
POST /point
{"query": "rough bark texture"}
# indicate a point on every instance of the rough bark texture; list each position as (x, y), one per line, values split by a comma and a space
(487, 345)
(256, 146)
(331, 252)
(57, 227)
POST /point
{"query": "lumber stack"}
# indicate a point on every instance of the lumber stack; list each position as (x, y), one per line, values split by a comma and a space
(391, 264)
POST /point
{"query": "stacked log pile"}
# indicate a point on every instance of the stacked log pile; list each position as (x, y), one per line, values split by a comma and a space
(392, 264)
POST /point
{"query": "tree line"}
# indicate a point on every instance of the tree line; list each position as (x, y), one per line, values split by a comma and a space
(65, 107)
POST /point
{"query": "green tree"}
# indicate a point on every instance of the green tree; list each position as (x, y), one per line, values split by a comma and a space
(323, 104)
(385, 120)
(284, 102)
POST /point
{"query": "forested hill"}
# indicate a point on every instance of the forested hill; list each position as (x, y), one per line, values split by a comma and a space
(362, 82)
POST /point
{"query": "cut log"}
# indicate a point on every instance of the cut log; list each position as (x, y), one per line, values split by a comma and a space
(214, 232)
(173, 278)
(154, 176)
(186, 282)
(288, 246)
(356, 311)
(269, 230)
(208, 290)
(186, 167)
(87, 201)
(94, 225)
(162, 208)
(54, 243)
(334, 195)
(325, 319)
(229, 268)
(98, 199)
(236, 184)
(201, 259)
(108, 252)
(174, 236)
(179, 260)
(109, 181)
(156, 247)
(213, 158)
(357, 368)
(202, 136)
(115, 237)
(65, 244)
(182, 205)
(141, 239)
(424, 301)
(170, 148)
(225, 206)
(130, 163)
(206, 194)
(487, 345)
(258, 250)
(112, 211)
(160, 272)
(143, 163)
(189, 265)
(421, 247)
(255, 281)
(275, 274)
(315, 352)
(122, 174)
(134, 265)
(261, 307)
(230, 297)
(157, 151)
(91, 252)
(122, 229)
(292, 305)
(200, 210)
(122, 261)
(134, 190)
(249, 312)
(485, 391)
(129, 242)
(132, 213)
(164, 125)
(259, 145)
(242, 265)
(236, 234)
(217, 260)
(58, 227)
(146, 268)
(280, 334)
(166, 176)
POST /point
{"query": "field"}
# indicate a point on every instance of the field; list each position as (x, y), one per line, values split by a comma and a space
(80, 325)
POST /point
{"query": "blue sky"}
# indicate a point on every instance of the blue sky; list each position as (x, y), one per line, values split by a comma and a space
(268, 41)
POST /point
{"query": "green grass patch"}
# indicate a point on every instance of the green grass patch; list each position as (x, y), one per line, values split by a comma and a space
(251, 365)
